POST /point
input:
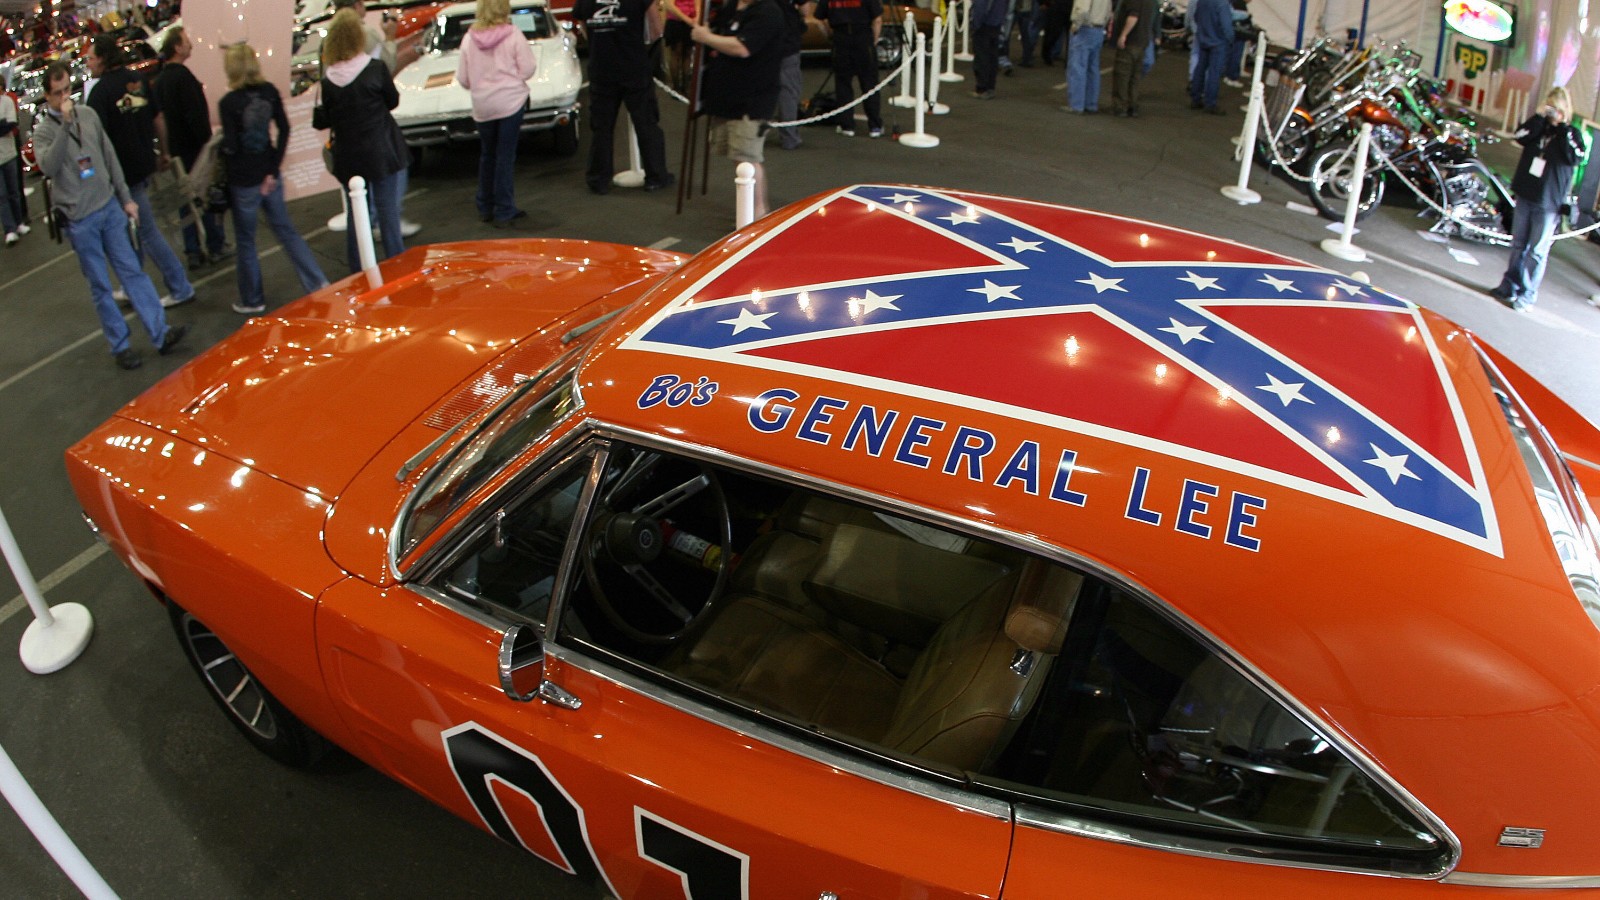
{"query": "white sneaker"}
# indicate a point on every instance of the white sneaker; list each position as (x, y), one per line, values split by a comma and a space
(168, 301)
(407, 229)
(23, 228)
(1233, 82)
(11, 238)
(119, 295)
(249, 310)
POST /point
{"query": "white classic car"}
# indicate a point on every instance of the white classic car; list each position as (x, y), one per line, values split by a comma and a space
(434, 109)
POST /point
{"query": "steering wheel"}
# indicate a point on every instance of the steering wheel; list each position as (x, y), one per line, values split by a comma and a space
(625, 542)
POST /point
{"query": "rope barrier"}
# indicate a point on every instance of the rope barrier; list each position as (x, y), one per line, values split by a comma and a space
(905, 60)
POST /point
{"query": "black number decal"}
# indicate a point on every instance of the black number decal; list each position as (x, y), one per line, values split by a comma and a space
(709, 870)
(479, 757)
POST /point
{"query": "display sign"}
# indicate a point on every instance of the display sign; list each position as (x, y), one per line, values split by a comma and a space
(1482, 20)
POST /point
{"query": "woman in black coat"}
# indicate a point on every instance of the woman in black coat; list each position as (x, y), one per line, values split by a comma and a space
(357, 94)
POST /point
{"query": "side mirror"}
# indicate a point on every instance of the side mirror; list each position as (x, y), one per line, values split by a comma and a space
(521, 663)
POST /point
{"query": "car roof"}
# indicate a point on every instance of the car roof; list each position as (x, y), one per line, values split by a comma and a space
(1310, 470)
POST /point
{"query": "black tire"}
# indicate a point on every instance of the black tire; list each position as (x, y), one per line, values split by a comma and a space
(565, 137)
(1295, 144)
(259, 716)
(1329, 187)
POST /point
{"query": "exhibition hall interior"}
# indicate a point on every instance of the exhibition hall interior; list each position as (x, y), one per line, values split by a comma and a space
(843, 449)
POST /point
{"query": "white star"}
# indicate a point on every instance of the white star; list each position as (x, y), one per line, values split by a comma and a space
(1349, 289)
(1279, 284)
(904, 198)
(1018, 245)
(872, 302)
(995, 292)
(961, 218)
(1288, 392)
(1200, 282)
(1187, 333)
(747, 320)
(1395, 466)
(1101, 285)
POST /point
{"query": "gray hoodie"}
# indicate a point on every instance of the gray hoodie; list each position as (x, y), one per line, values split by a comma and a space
(60, 147)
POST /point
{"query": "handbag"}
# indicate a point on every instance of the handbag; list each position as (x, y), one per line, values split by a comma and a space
(319, 121)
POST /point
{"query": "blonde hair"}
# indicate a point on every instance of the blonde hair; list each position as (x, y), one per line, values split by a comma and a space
(346, 37)
(491, 13)
(1559, 99)
(242, 66)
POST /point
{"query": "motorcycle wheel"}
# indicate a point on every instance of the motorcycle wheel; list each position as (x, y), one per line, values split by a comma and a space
(1479, 207)
(1295, 144)
(1330, 184)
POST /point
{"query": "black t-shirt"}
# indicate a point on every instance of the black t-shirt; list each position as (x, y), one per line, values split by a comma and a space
(745, 86)
(794, 23)
(854, 13)
(617, 51)
(127, 107)
(255, 133)
(185, 110)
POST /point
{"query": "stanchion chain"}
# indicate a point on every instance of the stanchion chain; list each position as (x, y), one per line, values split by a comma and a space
(905, 60)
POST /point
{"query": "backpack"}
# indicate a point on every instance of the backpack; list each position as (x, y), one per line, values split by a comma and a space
(255, 135)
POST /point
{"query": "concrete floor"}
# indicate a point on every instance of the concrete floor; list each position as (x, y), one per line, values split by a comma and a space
(164, 797)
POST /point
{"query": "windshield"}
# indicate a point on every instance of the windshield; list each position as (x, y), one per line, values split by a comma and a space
(449, 31)
(526, 414)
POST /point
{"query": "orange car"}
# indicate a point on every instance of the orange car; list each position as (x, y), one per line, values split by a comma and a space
(1050, 553)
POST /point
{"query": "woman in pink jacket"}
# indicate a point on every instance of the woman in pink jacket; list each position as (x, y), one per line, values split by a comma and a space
(496, 63)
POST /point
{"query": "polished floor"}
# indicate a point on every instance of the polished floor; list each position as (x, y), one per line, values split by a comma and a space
(168, 801)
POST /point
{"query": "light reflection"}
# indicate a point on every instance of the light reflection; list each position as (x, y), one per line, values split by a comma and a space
(197, 507)
(1224, 393)
(1333, 436)
(1144, 240)
(1071, 347)
(1161, 371)
(1411, 334)
(238, 476)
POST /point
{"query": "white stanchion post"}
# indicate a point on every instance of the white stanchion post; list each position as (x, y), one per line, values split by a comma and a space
(634, 177)
(744, 194)
(341, 221)
(1241, 193)
(949, 74)
(905, 99)
(363, 227)
(920, 138)
(48, 832)
(1342, 247)
(58, 634)
(1515, 101)
(935, 108)
(965, 27)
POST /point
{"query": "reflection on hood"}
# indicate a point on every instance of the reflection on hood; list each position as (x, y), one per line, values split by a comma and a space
(487, 39)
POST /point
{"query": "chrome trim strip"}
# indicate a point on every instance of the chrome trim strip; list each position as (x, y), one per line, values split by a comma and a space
(950, 796)
(1580, 461)
(1541, 882)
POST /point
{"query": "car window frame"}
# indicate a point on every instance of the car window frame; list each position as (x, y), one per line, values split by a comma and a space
(969, 790)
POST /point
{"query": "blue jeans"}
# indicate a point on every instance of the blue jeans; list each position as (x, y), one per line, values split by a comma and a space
(497, 160)
(151, 243)
(1533, 230)
(1207, 77)
(214, 236)
(1083, 68)
(247, 201)
(383, 209)
(100, 239)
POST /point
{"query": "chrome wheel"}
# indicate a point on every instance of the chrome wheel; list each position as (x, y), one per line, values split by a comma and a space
(228, 678)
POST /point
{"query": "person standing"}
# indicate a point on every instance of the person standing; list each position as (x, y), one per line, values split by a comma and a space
(1089, 19)
(380, 44)
(619, 73)
(127, 109)
(740, 84)
(790, 84)
(75, 153)
(985, 19)
(1213, 37)
(249, 112)
(357, 94)
(496, 63)
(187, 116)
(853, 28)
(1551, 148)
(13, 217)
(1132, 27)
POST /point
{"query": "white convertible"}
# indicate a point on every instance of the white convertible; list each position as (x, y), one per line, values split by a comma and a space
(434, 109)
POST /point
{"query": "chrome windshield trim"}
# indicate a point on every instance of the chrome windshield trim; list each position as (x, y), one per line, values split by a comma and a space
(817, 752)
(1588, 464)
(1035, 817)
(1533, 882)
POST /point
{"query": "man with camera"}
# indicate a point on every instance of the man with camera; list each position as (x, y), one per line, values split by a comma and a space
(1551, 148)
(89, 193)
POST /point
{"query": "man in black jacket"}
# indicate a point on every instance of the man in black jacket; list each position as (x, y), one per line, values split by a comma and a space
(1551, 148)
(619, 73)
(739, 89)
(853, 27)
(127, 109)
(187, 116)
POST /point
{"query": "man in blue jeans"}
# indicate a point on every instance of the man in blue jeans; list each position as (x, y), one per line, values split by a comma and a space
(126, 105)
(87, 187)
(1213, 35)
(1089, 18)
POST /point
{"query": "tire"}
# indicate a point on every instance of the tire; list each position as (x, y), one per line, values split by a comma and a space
(1295, 144)
(888, 48)
(565, 137)
(259, 716)
(1329, 187)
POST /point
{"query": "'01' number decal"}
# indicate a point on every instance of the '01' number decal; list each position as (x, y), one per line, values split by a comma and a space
(479, 758)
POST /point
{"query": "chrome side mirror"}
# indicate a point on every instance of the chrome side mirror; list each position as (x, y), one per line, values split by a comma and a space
(521, 663)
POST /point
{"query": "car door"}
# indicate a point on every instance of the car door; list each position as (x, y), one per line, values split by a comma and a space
(604, 765)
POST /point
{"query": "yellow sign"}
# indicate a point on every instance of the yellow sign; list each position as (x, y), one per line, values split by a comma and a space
(1472, 58)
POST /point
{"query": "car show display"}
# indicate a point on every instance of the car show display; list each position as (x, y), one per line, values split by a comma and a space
(1106, 553)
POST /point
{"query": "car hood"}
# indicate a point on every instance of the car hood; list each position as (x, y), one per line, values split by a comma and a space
(428, 86)
(308, 394)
